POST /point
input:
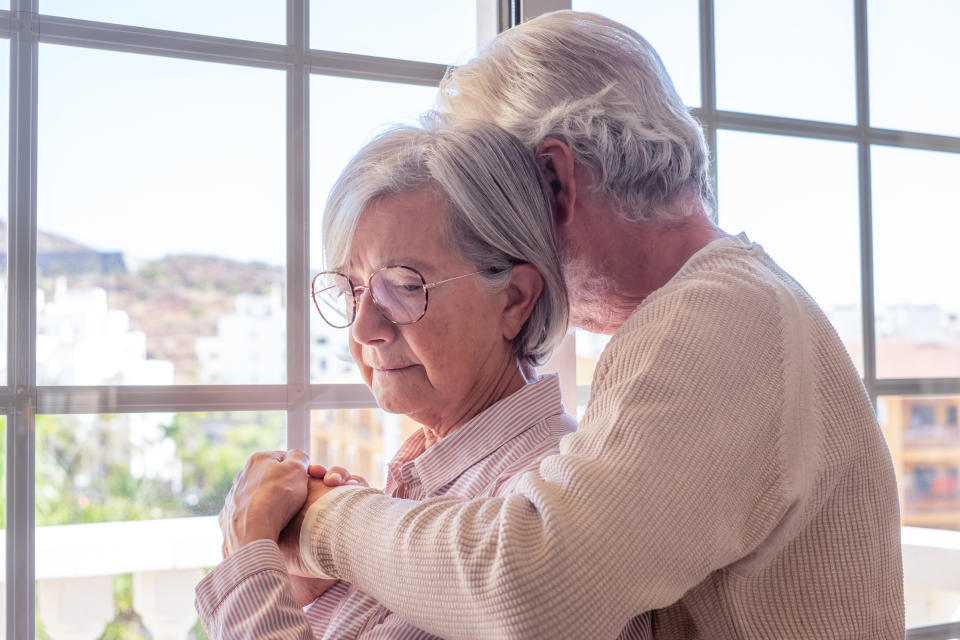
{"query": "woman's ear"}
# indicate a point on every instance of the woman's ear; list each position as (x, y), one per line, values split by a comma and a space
(555, 160)
(523, 289)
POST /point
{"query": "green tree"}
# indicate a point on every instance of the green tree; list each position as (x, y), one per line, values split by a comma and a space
(84, 476)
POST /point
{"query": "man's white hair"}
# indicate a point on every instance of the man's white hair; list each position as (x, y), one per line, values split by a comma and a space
(599, 87)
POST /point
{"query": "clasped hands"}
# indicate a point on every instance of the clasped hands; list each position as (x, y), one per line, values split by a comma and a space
(269, 500)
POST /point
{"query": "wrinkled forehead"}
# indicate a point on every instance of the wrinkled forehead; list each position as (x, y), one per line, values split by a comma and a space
(408, 228)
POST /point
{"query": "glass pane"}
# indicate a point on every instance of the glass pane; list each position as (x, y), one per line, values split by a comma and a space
(916, 222)
(443, 31)
(344, 114)
(785, 59)
(671, 26)
(263, 20)
(161, 214)
(126, 515)
(4, 199)
(798, 198)
(912, 82)
(922, 433)
(3, 517)
(362, 440)
(589, 347)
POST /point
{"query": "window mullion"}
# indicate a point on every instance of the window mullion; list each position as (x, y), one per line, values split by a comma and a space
(298, 227)
(708, 89)
(866, 202)
(533, 8)
(21, 314)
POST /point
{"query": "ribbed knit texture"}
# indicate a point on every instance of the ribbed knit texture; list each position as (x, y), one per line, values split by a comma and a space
(729, 474)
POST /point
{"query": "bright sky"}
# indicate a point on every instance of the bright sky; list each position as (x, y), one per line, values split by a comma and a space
(150, 155)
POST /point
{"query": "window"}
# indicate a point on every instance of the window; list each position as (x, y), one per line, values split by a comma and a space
(160, 248)
(262, 20)
(156, 359)
(921, 415)
(444, 32)
(841, 160)
(162, 325)
(910, 86)
(790, 77)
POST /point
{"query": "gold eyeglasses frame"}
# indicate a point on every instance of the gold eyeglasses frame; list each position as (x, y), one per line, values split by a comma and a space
(357, 290)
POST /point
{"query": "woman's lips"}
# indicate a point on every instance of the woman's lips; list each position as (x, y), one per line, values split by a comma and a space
(392, 369)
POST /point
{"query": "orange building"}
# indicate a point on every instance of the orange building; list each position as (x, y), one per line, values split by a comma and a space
(362, 440)
(922, 433)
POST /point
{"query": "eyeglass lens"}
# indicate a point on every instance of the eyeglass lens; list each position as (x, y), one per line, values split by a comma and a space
(398, 292)
(333, 296)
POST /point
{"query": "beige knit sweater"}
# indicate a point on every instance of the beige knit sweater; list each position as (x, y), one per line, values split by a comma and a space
(728, 474)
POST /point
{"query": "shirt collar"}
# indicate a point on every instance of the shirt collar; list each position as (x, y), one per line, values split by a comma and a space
(480, 436)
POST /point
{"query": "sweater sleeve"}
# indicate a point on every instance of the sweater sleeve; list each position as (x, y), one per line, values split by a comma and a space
(681, 465)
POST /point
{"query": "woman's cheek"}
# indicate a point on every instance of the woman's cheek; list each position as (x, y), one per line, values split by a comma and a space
(356, 352)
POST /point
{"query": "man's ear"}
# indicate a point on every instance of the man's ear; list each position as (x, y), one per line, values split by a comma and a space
(523, 289)
(556, 164)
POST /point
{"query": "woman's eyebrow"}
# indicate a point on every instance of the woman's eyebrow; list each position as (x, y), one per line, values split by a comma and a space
(419, 263)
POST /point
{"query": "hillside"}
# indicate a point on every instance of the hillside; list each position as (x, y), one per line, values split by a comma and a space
(173, 300)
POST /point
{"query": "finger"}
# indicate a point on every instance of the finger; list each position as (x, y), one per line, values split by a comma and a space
(358, 480)
(316, 471)
(336, 476)
(298, 456)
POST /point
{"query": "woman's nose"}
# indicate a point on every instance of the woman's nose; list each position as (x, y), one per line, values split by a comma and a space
(369, 325)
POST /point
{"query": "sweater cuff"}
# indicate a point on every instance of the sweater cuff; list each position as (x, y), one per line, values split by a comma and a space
(253, 557)
(318, 560)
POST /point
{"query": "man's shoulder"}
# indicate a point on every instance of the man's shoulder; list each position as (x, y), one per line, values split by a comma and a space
(734, 289)
(725, 310)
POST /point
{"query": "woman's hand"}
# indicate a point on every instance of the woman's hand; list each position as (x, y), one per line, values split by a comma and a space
(306, 590)
(335, 476)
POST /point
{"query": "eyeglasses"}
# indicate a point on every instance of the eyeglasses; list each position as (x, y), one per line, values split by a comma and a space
(399, 292)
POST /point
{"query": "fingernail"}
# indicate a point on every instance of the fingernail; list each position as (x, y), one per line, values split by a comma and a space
(334, 477)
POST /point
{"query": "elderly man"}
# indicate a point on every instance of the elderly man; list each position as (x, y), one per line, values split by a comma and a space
(728, 474)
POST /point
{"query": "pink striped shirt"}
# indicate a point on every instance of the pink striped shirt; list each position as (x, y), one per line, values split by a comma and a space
(248, 595)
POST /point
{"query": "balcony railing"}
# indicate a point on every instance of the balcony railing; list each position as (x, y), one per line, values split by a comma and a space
(75, 566)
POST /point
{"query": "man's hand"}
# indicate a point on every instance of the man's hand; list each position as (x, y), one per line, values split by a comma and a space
(269, 490)
(290, 537)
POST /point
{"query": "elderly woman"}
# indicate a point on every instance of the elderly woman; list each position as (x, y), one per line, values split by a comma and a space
(443, 267)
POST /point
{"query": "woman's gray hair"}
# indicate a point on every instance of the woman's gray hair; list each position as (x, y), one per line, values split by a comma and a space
(601, 88)
(499, 214)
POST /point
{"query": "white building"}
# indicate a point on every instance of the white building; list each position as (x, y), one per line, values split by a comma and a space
(81, 341)
(250, 346)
